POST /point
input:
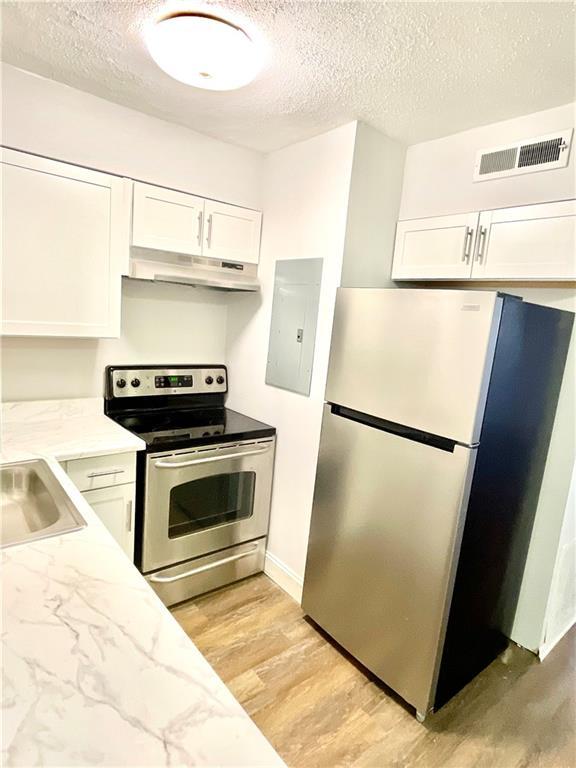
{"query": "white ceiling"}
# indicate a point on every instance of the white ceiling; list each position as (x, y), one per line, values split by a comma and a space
(414, 70)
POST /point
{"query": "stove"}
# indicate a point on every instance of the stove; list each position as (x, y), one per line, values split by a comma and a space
(204, 481)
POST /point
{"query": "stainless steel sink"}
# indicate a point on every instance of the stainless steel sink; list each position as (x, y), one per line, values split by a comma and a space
(33, 504)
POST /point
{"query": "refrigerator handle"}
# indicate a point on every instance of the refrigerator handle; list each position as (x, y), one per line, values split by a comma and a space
(400, 430)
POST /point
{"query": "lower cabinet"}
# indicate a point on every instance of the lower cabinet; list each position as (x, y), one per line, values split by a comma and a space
(115, 507)
(108, 485)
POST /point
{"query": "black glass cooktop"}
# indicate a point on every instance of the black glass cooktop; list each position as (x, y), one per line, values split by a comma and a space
(180, 428)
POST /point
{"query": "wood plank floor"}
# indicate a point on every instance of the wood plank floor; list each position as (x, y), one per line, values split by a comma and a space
(320, 710)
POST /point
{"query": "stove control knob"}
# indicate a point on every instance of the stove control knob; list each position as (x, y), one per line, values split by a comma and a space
(135, 382)
(209, 380)
(121, 383)
(220, 380)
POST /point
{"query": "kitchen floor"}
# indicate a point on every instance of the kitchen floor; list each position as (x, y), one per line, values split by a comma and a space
(319, 709)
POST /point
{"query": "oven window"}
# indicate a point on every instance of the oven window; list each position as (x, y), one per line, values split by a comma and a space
(210, 501)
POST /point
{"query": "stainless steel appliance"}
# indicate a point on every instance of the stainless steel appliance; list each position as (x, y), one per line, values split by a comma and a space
(438, 414)
(204, 482)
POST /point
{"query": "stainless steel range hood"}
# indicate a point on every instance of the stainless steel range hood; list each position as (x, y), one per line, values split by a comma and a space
(195, 272)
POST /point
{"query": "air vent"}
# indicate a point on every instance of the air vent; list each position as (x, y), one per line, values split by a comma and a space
(493, 162)
(541, 153)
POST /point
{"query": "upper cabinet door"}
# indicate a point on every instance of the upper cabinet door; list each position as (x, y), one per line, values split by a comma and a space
(435, 248)
(165, 220)
(231, 233)
(532, 242)
(64, 241)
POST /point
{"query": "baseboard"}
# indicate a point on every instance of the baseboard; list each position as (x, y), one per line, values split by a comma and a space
(549, 645)
(284, 576)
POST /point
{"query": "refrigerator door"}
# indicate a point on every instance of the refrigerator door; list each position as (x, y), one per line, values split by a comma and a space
(384, 541)
(416, 357)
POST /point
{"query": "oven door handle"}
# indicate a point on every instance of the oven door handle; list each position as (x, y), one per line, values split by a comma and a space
(172, 465)
(202, 568)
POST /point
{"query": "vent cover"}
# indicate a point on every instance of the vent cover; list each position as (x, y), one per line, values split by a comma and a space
(541, 153)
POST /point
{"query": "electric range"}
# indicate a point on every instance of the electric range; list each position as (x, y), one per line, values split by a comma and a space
(204, 481)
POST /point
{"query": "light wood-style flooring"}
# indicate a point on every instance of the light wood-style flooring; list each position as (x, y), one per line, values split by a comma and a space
(320, 710)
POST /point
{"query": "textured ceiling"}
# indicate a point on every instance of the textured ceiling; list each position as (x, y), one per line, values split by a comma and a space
(414, 70)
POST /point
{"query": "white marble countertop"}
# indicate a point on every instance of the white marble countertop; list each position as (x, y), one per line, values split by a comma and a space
(63, 429)
(96, 671)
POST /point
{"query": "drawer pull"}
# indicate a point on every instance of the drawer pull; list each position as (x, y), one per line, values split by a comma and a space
(129, 516)
(202, 568)
(107, 472)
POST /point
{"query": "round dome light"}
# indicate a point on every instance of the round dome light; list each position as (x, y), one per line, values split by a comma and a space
(204, 51)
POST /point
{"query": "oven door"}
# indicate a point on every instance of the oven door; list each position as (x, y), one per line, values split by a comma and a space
(200, 501)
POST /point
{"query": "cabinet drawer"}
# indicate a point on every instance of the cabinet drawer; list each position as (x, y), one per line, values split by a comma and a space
(102, 471)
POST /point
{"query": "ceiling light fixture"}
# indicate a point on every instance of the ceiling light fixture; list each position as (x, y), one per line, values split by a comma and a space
(204, 51)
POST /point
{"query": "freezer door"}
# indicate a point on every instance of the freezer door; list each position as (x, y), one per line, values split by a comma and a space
(416, 357)
(384, 540)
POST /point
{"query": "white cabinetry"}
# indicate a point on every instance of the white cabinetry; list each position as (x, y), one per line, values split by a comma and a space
(176, 222)
(232, 233)
(64, 245)
(439, 247)
(530, 242)
(108, 485)
(115, 507)
(165, 220)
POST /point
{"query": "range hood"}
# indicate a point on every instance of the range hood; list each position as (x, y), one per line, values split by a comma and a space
(196, 272)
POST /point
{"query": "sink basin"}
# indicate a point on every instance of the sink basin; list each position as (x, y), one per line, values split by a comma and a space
(33, 504)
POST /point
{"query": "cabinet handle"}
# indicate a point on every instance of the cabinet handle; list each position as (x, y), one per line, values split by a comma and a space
(129, 516)
(107, 472)
(481, 244)
(209, 236)
(467, 244)
(200, 215)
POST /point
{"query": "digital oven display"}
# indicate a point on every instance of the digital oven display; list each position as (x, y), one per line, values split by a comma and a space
(172, 381)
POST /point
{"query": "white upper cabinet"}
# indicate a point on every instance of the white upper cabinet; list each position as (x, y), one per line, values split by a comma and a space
(532, 242)
(435, 248)
(176, 222)
(165, 220)
(64, 245)
(231, 233)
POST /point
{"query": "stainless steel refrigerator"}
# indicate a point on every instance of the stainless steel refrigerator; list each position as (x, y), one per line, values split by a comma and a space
(438, 415)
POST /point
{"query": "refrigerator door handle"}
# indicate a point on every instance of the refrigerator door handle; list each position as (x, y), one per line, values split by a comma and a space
(401, 430)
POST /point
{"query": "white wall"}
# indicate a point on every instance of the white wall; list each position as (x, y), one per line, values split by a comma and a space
(561, 609)
(52, 119)
(305, 203)
(375, 191)
(160, 323)
(437, 181)
(438, 174)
